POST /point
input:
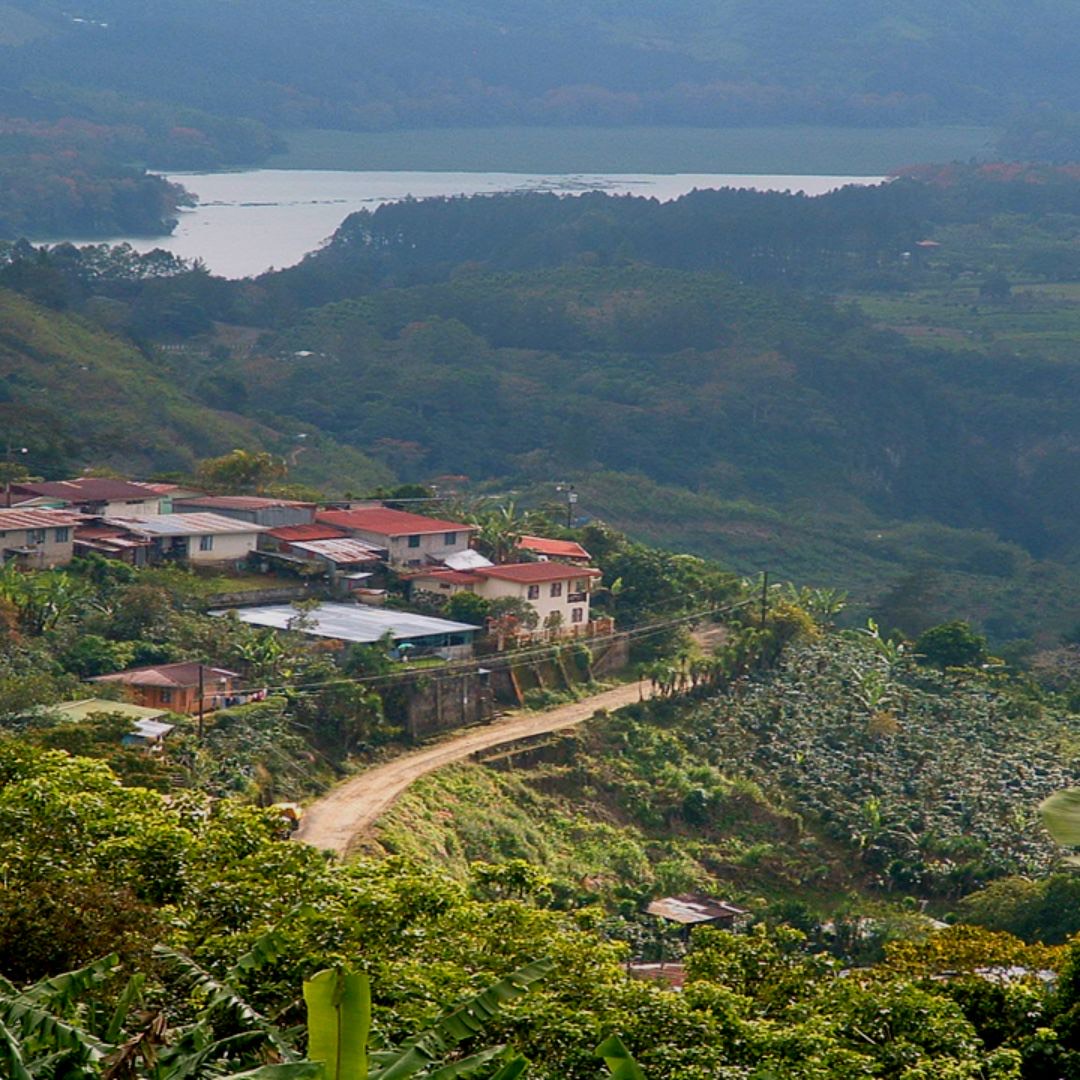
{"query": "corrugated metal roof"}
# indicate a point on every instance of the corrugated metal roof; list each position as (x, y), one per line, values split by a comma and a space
(183, 675)
(689, 909)
(555, 549)
(344, 550)
(451, 577)
(86, 489)
(352, 622)
(184, 524)
(294, 533)
(535, 572)
(466, 560)
(386, 522)
(237, 502)
(80, 710)
(15, 519)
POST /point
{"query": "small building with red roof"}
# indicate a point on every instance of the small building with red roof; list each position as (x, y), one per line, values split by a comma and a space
(177, 687)
(410, 540)
(91, 495)
(561, 550)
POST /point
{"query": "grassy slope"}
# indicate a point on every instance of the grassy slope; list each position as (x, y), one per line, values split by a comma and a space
(80, 397)
(801, 790)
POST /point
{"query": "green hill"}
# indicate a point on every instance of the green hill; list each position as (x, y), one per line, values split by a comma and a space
(77, 397)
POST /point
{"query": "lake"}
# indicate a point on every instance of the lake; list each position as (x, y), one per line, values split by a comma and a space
(247, 222)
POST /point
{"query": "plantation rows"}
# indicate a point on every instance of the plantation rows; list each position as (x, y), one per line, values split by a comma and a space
(933, 779)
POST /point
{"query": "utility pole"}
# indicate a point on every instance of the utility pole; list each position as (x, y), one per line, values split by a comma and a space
(202, 701)
(9, 469)
(764, 596)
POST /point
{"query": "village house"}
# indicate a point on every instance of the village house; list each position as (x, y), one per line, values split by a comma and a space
(557, 592)
(256, 509)
(410, 540)
(200, 539)
(37, 539)
(178, 687)
(98, 495)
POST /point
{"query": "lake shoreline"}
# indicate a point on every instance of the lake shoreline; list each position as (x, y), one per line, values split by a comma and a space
(793, 150)
(247, 223)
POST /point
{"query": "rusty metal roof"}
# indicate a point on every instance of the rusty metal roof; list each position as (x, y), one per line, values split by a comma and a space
(690, 909)
(343, 550)
(16, 519)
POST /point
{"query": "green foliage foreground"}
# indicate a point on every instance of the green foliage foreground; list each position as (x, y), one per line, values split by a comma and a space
(210, 882)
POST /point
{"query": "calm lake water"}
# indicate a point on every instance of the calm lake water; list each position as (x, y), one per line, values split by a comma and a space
(248, 222)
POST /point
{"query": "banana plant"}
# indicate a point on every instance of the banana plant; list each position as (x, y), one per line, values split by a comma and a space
(619, 1060)
(1061, 815)
(47, 1030)
(339, 1023)
(53, 1028)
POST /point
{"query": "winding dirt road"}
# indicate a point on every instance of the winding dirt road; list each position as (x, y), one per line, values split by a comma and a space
(337, 820)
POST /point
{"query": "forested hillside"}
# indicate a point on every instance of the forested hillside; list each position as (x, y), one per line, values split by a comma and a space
(334, 64)
(78, 397)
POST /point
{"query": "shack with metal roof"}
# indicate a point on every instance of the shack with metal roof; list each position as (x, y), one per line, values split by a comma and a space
(365, 625)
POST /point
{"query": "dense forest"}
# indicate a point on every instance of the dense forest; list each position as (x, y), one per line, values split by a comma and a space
(334, 65)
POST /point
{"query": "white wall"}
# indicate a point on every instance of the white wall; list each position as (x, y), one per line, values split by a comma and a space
(230, 547)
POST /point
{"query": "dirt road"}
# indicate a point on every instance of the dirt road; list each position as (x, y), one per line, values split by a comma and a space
(338, 819)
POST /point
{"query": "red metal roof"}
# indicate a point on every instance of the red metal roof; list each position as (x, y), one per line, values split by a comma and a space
(386, 522)
(451, 577)
(15, 519)
(169, 675)
(532, 573)
(292, 533)
(554, 549)
(86, 489)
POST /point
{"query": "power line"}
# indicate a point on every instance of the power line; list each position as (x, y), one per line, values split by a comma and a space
(508, 660)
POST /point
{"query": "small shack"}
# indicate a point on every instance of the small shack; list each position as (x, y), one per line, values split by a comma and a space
(148, 726)
(690, 910)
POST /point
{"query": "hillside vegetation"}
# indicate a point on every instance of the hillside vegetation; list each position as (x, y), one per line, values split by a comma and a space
(842, 771)
(77, 396)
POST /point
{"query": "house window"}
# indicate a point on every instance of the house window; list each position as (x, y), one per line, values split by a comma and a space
(414, 541)
(206, 543)
(166, 696)
(581, 586)
(577, 614)
(35, 536)
(61, 535)
(556, 588)
(449, 539)
(534, 592)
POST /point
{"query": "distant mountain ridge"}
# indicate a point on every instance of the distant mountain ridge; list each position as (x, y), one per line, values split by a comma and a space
(336, 63)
